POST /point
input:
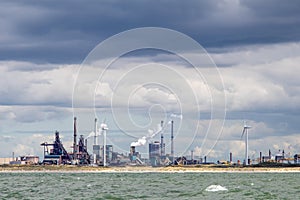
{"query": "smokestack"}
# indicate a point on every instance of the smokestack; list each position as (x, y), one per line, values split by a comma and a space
(172, 140)
(95, 137)
(270, 154)
(260, 157)
(74, 143)
(86, 145)
(204, 159)
(104, 128)
(132, 150)
(162, 146)
(230, 157)
(283, 154)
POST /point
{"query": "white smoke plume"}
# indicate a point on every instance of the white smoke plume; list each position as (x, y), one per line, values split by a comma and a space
(173, 115)
(143, 140)
(92, 134)
(140, 142)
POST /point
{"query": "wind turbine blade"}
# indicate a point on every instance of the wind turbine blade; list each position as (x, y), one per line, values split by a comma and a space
(243, 133)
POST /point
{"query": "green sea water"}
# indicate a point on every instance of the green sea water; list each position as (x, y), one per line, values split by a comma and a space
(39, 185)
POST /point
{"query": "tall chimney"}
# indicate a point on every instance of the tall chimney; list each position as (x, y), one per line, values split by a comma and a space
(86, 145)
(260, 157)
(74, 143)
(172, 140)
(162, 146)
(95, 137)
(132, 150)
(230, 157)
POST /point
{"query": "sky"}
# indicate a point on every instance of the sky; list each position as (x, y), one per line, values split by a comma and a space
(248, 71)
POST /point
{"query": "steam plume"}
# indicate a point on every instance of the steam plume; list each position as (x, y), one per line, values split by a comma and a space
(143, 140)
(92, 134)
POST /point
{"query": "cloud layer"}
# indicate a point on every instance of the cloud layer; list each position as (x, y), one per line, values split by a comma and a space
(260, 87)
(64, 32)
(255, 45)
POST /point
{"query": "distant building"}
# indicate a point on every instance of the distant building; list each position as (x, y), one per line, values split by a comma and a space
(154, 153)
(267, 158)
(25, 160)
(57, 154)
(96, 153)
(297, 158)
(109, 152)
(135, 157)
(5, 161)
(279, 157)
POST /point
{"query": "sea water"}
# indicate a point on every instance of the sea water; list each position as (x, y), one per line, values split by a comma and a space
(149, 185)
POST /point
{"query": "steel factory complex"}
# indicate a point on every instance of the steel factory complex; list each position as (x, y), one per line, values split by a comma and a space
(103, 154)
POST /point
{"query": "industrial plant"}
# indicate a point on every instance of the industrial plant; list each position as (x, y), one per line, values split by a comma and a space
(103, 154)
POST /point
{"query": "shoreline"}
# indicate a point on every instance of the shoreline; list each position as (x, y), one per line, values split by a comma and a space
(145, 169)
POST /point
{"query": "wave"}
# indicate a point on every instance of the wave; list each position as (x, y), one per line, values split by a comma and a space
(215, 188)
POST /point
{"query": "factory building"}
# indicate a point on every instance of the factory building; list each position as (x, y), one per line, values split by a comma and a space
(96, 153)
(154, 153)
(297, 158)
(81, 156)
(108, 153)
(157, 150)
(55, 153)
(266, 158)
(58, 154)
(21, 160)
(25, 160)
(6, 161)
(135, 157)
(280, 157)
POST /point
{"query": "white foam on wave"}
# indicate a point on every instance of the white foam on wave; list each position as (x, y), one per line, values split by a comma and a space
(215, 188)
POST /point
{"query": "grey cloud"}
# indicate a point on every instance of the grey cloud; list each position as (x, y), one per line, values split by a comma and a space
(52, 31)
(31, 114)
(13, 66)
(273, 8)
(64, 32)
(48, 87)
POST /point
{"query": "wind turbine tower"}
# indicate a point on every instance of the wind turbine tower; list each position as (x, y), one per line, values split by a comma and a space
(104, 128)
(162, 145)
(172, 141)
(95, 136)
(245, 132)
(96, 147)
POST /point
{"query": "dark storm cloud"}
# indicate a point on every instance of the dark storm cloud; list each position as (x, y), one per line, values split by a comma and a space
(55, 31)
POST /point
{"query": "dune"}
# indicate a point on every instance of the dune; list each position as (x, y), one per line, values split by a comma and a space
(141, 169)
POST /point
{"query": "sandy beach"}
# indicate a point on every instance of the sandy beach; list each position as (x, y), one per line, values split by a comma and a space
(144, 169)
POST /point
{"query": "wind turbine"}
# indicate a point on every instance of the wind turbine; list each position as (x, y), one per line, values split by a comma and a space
(245, 131)
(104, 128)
